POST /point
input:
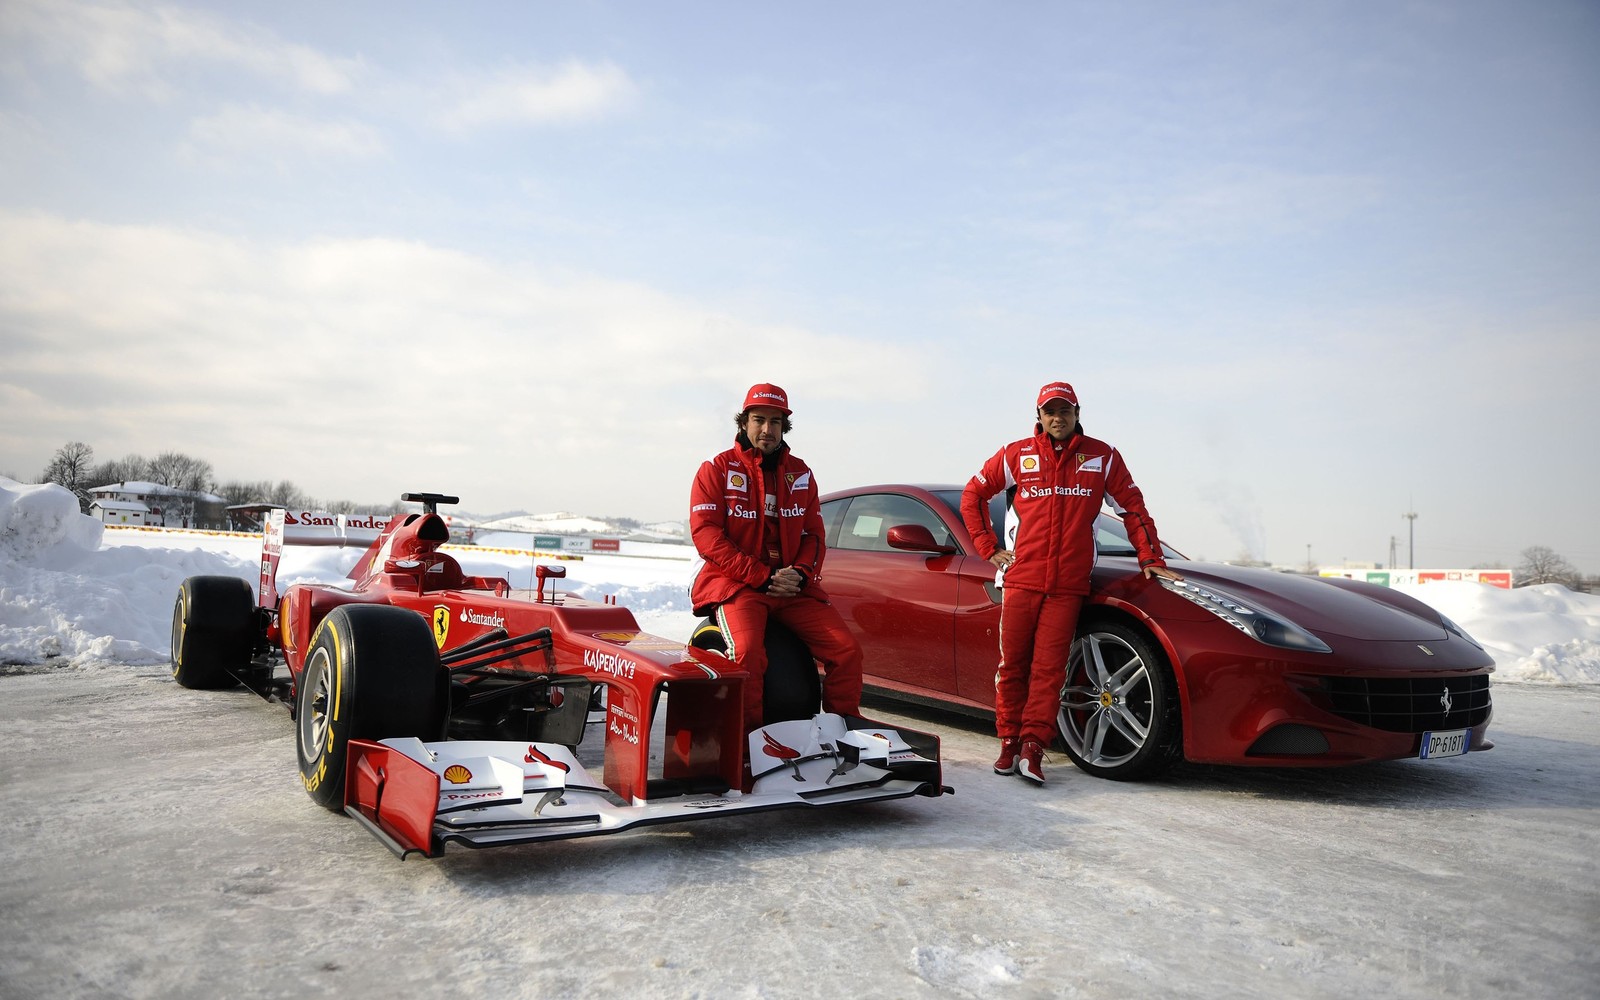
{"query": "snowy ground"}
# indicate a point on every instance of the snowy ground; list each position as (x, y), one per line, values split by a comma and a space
(156, 842)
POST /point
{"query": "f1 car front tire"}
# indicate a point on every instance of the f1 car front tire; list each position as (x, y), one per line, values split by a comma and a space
(792, 688)
(1120, 717)
(213, 631)
(372, 673)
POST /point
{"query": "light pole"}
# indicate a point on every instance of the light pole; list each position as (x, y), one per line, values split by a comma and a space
(1411, 539)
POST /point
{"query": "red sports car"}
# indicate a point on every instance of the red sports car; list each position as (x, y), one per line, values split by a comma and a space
(1231, 666)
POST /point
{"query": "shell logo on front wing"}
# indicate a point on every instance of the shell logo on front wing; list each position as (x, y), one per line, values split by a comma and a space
(457, 775)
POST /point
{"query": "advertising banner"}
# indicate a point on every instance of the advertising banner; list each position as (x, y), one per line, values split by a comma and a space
(1399, 577)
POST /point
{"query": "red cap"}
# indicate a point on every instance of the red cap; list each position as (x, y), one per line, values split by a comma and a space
(767, 394)
(1056, 390)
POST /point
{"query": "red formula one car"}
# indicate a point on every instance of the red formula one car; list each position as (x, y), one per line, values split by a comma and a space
(437, 707)
(1232, 666)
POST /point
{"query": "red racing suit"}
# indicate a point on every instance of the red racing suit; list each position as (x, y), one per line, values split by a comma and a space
(746, 522)
(1059, 489)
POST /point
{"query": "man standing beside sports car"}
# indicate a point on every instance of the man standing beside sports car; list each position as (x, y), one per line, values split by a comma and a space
(1055, 482)
(757, 524)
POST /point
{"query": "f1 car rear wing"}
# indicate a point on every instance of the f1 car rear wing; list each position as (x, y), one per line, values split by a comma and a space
(283, 527)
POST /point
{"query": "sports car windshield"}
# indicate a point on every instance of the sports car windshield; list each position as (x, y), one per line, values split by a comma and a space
(1110, 536)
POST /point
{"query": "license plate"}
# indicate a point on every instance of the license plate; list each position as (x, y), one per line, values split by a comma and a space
(1451, 743)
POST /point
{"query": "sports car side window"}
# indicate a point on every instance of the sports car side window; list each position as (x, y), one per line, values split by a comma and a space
(867, 522)
(831, 512)
(1111, 538)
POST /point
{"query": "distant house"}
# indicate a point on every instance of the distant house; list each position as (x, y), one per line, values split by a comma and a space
(164, 506)
(118, 511)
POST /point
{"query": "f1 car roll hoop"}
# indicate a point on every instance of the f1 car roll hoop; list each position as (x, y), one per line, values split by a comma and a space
(438, 707)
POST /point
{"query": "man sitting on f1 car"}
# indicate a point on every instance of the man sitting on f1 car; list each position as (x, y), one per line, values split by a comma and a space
(756, 522)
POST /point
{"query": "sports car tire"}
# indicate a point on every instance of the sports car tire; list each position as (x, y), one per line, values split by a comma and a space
(213, 631)
(1120, 717)
(372, 673)
(792, 688)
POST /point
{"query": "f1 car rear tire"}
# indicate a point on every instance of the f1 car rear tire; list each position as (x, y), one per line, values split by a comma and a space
(371, 673)
(213, 631)
(792, 688)
(1120, 717)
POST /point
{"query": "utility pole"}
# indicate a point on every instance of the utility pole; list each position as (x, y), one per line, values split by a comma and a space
(1411, 540)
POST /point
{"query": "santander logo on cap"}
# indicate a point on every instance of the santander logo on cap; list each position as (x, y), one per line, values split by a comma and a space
(767, 394)
(1056, 390)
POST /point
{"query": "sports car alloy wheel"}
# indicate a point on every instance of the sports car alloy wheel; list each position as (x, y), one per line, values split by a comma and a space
(1119, 709)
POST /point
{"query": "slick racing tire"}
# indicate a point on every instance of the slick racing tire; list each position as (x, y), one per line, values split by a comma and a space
(1120, 717)
(372, 672)
(213, 631)
(792, 688)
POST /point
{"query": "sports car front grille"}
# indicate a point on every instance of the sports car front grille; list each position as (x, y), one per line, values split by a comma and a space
(1410, 704)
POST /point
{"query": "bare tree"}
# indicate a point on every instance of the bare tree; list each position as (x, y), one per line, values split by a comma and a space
(70, 466)
(133, 468)
(289, 495)
(181, 472)
(1541, 564)
(239, 493)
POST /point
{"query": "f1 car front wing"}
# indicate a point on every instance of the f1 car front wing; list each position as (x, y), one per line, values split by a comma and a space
(418, 797)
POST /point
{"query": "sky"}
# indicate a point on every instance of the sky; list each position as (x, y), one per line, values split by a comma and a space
(1311, 267)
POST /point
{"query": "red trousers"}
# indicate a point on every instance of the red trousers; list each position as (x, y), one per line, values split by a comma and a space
(743, 619)
(1035, 637)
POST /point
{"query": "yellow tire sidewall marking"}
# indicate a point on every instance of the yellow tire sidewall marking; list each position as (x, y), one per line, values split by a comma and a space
(183, 629)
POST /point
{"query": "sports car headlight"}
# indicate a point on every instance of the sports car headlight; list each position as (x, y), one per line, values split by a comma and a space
(1262, 626)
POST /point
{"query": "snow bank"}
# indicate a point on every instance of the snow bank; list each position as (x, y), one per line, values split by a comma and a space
(1544, 633)
(62, 594)
(42, 525)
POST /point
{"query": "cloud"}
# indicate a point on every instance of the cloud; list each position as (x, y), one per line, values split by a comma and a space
(362, 367)
(524, 95)
(256, 134)
(122, 46)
